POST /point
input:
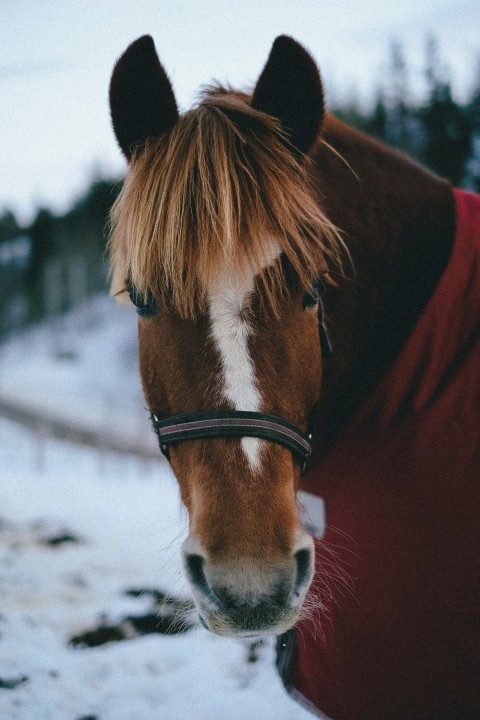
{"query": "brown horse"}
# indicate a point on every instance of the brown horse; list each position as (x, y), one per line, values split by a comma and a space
(244, 227)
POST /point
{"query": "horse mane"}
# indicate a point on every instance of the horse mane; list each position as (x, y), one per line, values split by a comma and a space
(208, 198)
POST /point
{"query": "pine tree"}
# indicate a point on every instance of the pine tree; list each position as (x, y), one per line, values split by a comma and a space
(446, 125)
(472, 168)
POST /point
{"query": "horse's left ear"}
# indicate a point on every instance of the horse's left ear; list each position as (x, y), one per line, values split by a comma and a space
(290, 89)
(142, 103)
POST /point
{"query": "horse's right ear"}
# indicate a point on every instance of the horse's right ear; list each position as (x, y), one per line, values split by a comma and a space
(142, 103)
(290, 89)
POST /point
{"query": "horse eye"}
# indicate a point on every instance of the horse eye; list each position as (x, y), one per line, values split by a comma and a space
(311, 298)
(145, 305)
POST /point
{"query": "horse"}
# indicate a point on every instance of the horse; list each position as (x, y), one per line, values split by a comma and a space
(254, 234)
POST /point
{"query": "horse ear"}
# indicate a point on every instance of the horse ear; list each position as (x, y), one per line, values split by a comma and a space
(290, 89)
(142, 103)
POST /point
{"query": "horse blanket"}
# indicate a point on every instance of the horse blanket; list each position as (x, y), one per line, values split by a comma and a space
(397, 636)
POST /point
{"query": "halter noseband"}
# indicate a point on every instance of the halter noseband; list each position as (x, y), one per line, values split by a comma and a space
(234, 423)
(238, 423)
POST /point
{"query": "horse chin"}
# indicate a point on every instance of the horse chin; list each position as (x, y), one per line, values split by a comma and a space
(241, 626)
(246, 620)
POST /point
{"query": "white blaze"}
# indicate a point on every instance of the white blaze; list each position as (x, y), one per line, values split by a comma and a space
(231, 331)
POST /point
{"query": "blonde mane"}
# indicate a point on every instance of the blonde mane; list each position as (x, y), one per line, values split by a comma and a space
(209, 197)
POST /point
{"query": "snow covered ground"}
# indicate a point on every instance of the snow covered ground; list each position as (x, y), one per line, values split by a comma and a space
(79, 528)
(82, 368)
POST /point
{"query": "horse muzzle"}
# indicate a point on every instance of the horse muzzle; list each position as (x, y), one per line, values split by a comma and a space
(249, 596)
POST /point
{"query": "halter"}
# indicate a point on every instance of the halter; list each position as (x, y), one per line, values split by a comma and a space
(239, 423)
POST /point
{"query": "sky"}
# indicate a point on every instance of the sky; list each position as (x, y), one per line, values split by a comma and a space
(56, 59)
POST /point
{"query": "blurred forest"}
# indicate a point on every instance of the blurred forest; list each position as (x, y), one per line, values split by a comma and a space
(56, 262)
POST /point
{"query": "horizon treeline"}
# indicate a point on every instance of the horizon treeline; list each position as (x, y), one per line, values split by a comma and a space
(437, 130)
(56, 261)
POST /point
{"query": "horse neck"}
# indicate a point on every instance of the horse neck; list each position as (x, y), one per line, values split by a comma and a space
(398, 223)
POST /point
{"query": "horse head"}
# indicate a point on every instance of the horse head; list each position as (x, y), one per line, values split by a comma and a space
(217, 237)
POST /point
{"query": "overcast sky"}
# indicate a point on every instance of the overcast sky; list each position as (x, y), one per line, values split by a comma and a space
(56, 57)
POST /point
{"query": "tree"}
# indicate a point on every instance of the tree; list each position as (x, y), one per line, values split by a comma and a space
(9, 227)
(41, 233)
(447, 128)
(472, 168)
(397, 104)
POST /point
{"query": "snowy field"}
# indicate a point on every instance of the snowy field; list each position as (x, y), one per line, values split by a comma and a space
(89, 542)
(81, 368)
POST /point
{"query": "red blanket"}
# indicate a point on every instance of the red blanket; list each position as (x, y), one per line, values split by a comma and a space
(398, 570)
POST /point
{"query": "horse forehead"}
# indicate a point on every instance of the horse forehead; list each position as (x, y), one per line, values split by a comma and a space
(240, 272)
(231, 287)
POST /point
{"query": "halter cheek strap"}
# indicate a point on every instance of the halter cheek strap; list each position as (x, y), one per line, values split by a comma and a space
(325, 343)
(234, 423)
(313, 297)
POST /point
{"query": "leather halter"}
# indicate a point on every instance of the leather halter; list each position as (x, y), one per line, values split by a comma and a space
(238, 423)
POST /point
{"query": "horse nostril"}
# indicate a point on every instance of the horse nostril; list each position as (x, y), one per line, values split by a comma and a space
(303, 558)
(195, 565)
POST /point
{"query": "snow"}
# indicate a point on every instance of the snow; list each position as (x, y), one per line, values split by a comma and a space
(82, 368)
(127, 517)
